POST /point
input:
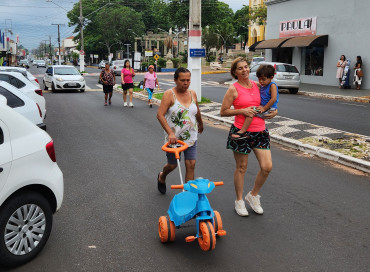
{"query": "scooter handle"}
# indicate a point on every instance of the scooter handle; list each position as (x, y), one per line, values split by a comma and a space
(218, 183)
(175, 150)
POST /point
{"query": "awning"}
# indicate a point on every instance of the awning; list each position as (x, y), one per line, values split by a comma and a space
(253, 46)
(304, 41)
(273, 43)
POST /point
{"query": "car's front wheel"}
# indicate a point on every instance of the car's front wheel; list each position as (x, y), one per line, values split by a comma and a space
(45, 88)
(82, 90)
(53, 87)
(293, 90)
(25, 225)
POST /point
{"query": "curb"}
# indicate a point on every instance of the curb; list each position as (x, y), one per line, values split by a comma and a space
(355, 163)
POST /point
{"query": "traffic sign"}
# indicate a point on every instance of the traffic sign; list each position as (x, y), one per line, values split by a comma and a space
(197, 52)
(82, 52)
(156, 57)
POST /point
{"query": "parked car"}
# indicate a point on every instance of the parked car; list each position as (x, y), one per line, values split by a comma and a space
(63, 77)
(256, 60)
(24, 63)
(22, 104)
(26, 87)
(286, 75)
(41, 63)
(102, 64)
(23, 71)
(117, 65)
(31, 187)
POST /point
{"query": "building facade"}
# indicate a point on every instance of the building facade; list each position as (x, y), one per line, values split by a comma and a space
(313, 35)
(256, 32)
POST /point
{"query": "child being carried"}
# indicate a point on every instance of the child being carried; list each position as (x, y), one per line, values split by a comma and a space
(269, 98)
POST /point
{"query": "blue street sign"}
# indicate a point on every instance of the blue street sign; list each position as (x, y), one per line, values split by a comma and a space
(198, 52)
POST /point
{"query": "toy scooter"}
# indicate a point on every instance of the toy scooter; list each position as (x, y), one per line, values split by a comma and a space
(191, 204)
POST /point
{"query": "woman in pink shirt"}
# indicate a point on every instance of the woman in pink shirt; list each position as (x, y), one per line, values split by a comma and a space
(127, 73)
(150, 81)
(244, 95)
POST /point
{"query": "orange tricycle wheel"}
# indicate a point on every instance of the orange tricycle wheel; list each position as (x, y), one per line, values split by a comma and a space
(218, 221)
(207, 239)
(166, 229)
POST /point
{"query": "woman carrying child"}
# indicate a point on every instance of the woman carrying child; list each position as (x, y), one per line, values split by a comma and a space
(245, 96)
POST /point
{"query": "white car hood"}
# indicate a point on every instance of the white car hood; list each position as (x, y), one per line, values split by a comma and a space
(68, 77)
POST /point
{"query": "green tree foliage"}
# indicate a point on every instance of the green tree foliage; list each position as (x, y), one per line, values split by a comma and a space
(258, 15)
(241, 22)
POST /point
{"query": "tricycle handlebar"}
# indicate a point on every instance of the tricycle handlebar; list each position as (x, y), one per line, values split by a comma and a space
(177, 186)
(218, 183)
(175, 150)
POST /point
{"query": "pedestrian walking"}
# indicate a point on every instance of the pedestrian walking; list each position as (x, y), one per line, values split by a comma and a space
(108, 79)
(127, 74)
(341, 64)
(269, 98)
(244, 95)
(181, 119)
(150, 83)
(358, 74)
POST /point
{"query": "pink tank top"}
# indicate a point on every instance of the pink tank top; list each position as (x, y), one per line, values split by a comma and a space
(127, 75)
(248, 98)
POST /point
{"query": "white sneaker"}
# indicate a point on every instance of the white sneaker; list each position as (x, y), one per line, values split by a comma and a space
(131, 105)
(240, 208)
(254, 202)
(125, 104)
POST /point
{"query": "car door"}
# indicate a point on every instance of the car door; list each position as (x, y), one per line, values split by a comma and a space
(47, 77)
(5, 154)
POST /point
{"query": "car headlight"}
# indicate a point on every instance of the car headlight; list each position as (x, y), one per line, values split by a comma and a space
(59, 79)
(82, 79)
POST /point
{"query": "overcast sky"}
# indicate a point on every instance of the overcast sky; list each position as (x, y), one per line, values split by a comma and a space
(33, 19)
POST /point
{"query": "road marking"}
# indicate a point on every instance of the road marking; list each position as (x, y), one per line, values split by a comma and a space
(364, 106)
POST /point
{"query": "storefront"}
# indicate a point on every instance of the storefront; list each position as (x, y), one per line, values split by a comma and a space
(313, 35)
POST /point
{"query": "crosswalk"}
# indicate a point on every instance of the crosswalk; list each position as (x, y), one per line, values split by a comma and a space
(165, 84)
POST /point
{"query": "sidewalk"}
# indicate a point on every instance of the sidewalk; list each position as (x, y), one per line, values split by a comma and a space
(343, 147)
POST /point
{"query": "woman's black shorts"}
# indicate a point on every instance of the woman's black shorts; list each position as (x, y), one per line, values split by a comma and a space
(107, 88)
(259, 140)
(127, 86)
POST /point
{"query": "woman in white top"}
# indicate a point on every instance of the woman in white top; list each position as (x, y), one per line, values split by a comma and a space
(180, 117)
(341, 64)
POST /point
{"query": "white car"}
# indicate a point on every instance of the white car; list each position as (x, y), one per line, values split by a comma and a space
(286, 75)
(24, 72)
(22, 104)
(102, 64)
(40, 63)
(63, 77)
(25, 86)
(117, 65)
(31, 187)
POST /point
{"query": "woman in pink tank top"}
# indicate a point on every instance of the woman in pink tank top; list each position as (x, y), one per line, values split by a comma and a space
(244, 96)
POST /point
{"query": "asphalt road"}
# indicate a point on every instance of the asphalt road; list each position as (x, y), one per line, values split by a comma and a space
(336, 114)
(316, 214)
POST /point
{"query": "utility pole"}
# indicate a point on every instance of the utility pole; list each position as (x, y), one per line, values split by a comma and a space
(195, 43)
(82, 51)
(50, 55)
(45, 47)
(59, 61)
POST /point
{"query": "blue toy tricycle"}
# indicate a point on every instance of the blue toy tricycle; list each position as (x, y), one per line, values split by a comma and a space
(191, 203)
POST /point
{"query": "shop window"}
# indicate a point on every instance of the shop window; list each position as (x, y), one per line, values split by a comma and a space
(312, 61)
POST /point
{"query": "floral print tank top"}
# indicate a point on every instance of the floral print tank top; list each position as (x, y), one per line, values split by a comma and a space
(182, 121)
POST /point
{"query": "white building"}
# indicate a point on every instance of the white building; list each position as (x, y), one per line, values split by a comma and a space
(313, 35)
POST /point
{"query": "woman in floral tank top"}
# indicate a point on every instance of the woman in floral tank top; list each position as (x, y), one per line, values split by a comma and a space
(180, 117)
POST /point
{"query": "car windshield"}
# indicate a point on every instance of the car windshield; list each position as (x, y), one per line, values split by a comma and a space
(286, 68)
(65, 71)
(118, 63)
(258, 59)
(23, 61)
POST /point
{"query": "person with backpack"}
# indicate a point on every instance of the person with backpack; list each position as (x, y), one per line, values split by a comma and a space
(150, 82)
